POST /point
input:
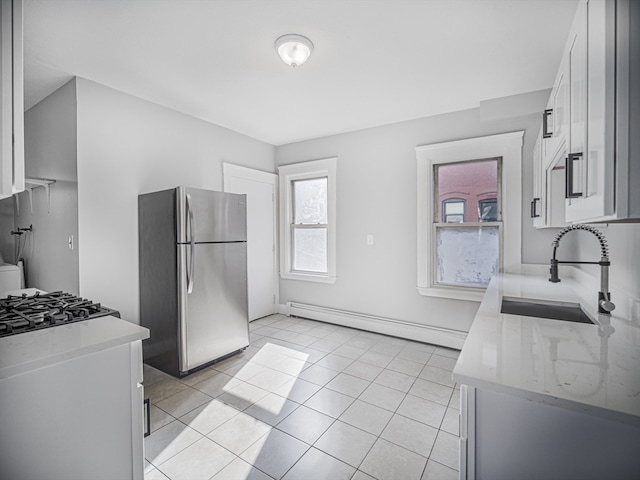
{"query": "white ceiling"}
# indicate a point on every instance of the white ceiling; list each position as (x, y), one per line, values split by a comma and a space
(374, 63)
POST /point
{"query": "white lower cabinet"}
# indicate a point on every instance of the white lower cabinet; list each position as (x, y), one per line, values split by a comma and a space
(504, 436)
(76, 419)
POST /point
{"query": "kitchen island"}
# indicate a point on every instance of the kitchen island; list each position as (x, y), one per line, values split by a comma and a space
(544, 398)
(72, 401)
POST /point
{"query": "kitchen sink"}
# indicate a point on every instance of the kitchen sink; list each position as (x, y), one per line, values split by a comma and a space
(567, 311)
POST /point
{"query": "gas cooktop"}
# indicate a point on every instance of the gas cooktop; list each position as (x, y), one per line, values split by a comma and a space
(19, 314)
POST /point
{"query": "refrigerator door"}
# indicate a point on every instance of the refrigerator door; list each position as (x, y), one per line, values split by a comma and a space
(213, 316)
(206, 216)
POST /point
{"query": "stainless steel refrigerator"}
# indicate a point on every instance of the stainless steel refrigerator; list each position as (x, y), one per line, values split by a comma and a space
(193, 277)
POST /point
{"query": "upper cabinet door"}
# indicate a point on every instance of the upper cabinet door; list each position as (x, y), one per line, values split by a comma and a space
(11, 99)
(599, 185)
(576, 64)
(555, 117)
(593, 114)
(538, 211)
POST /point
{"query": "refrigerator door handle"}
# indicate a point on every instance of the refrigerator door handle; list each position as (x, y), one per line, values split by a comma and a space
(192, 243)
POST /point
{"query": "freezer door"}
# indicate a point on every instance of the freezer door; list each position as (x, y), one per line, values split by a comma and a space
(206, 216)
(213, 315)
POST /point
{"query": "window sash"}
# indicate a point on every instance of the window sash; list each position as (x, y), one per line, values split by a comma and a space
(436, 188)
(295, 208)
(470, 225)
(294, 248)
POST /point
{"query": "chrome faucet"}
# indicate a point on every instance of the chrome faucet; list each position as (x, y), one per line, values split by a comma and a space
(605, 305)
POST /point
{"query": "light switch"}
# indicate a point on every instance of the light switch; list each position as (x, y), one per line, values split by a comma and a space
(369, 239)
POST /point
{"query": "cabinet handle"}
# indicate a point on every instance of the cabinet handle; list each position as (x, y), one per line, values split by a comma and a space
(534, 208)
(569, 193)
(147, 418)
(545, 123)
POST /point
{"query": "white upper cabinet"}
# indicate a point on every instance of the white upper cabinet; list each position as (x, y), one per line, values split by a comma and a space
(599, 184)
(627, 110)
(555, 117)
(592, 114)
(591, 157)
(539, 200)
(576, 65)
(11, 99)
(548, 204)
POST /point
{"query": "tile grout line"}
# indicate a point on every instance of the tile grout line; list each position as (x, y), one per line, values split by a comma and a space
(344, 342)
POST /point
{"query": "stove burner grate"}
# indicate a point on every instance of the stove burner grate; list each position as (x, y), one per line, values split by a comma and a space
(27, 313)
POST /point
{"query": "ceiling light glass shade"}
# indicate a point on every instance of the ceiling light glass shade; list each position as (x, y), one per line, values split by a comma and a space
(294, 49)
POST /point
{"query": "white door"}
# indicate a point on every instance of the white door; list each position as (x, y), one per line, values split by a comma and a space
(262, 274)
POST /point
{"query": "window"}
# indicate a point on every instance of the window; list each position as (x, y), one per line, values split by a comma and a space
(466, 254)
(488, 210)
(307, 210)
(453, 210)
(469, 217)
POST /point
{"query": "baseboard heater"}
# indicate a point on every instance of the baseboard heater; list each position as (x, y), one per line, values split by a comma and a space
(388, 326)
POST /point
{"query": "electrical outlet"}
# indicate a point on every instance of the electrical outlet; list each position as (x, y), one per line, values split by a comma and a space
(369, 239)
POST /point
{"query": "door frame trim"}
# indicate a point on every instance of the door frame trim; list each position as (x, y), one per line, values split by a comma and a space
(230, 171)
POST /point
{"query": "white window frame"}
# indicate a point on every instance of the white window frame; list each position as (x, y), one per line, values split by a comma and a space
(302, 171)
(507, 146)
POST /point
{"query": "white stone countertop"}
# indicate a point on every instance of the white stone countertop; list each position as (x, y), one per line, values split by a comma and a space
(593, 369)
(28, 351)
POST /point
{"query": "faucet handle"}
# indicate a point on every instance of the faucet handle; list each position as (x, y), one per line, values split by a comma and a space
(605, 305)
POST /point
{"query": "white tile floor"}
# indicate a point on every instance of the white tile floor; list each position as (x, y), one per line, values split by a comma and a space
(308, 401)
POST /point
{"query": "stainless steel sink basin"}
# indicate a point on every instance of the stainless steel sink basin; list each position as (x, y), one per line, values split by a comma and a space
(569, 312)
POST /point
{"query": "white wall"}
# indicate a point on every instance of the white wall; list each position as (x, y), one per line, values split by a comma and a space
(128, 146)
(50, 152)
(624, 253)
(377, 195)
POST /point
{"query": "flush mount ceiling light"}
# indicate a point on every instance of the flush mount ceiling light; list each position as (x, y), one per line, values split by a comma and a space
(294, 49)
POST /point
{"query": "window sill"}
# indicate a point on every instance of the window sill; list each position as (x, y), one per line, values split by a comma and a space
(308, 277)
(471, 295)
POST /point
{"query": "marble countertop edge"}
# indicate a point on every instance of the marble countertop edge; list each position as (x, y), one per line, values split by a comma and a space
(551, 400)
(34, 350)
(513, 354)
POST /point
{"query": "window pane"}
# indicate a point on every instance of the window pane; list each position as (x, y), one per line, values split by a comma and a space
(467, 256)
(465, 182)
(452, 208)
(453, 218)
(488, 210)
(310, 201)
(310, 249)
